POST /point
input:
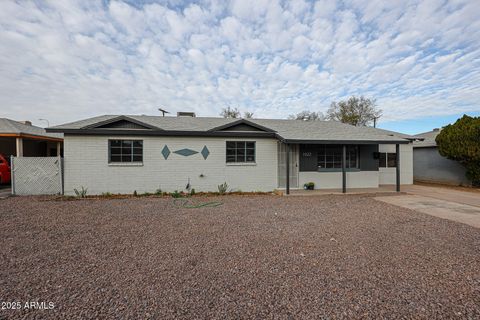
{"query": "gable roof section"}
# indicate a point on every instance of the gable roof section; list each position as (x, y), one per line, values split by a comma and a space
(239, 125)
(289, 131)
(121, 122)
(428, 139)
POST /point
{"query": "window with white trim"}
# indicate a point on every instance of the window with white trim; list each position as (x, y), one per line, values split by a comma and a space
(125, 151)
(240, 152)
(387, 160)
(330, 157)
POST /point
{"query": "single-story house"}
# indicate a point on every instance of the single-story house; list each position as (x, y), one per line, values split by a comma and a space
(127, 153)
(22, 139)
(430, 166)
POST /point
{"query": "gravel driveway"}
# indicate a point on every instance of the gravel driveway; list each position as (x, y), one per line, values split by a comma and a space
(253, 257)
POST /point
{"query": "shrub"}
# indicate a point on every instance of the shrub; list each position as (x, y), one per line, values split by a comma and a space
(222, 188)
(309, 186)
(192, 192)
(135, 194)
(82, 193)
(176, 194)
(461, 142)
(106, 194)
(158, 192)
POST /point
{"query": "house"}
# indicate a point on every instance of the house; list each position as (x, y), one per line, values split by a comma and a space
(120, 154)
(430, 166)
(22, 139)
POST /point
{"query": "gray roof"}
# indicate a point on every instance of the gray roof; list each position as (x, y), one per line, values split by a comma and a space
(286, 129)
(19, 128)
(429, 139)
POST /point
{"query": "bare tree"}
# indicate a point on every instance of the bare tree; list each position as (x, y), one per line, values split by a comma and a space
(307, 116)
(248, 115)
(357, 111)
(229, 112)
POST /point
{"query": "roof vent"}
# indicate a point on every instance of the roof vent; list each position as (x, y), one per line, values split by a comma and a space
(186, 114)
(28, 123)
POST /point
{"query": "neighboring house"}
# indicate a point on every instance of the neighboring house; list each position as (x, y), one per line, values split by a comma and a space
(120, 154)
(22, 139)
(430, 166)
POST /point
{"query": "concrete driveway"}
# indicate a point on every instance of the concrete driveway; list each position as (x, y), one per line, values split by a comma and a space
(447, 203)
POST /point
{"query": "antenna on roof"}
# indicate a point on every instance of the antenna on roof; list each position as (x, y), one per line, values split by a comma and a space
(163, 111)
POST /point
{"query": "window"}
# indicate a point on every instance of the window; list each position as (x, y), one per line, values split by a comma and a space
(330, 157)
(240, 151)
(387, 160)
(125, 151)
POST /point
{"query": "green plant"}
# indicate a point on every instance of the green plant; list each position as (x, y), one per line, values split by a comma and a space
(176, 194)
(135, 194)
(222, 188)
(309, 186)
(106, 194)
(192, 192)
(158, 192)
(461, 142)
(146, 194)
(82, 193)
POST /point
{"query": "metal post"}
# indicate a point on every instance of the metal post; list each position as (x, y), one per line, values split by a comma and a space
(344, 171)
(287, 184)
(19, 147)
(397, 149)
(12, 173)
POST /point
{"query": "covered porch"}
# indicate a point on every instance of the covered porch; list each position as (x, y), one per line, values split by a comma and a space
(335, 166)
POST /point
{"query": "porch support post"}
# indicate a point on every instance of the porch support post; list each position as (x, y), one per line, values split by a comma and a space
(344, 171)
(59, 144)
(19, 145)
(397, 171)
(287, 183)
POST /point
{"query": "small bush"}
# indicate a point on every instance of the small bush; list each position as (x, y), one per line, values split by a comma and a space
(192, 192)
(106, 194)
(176, 194)
(222, 188)
(135, 194)
(309, 186)
(158, 192)
(82, 193)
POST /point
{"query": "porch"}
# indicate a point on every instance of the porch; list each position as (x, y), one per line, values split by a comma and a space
(335, 166)
(382, 189)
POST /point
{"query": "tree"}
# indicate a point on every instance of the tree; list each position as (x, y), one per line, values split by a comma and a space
(355, 111)
(307, 116)
(461, 142)
(229, 112)
(248, 115)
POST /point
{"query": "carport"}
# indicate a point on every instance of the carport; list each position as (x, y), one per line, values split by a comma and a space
(22, 139)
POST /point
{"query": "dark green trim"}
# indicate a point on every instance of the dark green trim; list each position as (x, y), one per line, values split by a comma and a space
(241, 121)
(120, 118)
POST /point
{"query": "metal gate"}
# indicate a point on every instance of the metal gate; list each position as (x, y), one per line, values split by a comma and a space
(37, 175)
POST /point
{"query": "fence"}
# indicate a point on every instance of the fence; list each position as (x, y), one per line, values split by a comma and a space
(37, 175)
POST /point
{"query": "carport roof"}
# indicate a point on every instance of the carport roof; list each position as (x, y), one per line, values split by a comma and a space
(286, 130)
(16, 128)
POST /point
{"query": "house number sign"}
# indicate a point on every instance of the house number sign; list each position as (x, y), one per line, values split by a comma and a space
(307, 154)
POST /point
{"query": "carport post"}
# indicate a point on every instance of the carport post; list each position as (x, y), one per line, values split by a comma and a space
(59, 145)
(19, 145)
(397, 171)
(344, 164)
(287, 183)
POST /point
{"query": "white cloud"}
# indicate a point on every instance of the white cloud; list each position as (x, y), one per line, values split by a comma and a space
(65, 60)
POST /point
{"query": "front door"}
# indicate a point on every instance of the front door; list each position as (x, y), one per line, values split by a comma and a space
(282, 165)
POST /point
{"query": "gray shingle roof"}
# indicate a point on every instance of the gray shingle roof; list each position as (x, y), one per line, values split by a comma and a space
(287, 129)
(429, 139)
(15, 127)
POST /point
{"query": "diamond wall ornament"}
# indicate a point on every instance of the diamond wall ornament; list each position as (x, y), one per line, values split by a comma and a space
(165, 152)
(205, 152)
(185, 152)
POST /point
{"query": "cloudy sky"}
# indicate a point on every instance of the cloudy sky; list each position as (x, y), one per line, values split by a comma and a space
(67, 60)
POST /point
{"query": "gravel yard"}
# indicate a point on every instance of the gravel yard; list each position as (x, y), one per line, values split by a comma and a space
(253, 257)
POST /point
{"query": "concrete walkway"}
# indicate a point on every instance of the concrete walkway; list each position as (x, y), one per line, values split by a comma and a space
(446, 203)
(5, 192)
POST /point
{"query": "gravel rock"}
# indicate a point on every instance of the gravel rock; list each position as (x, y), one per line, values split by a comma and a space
(334, 257)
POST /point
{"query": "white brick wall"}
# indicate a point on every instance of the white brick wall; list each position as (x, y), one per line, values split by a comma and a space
(388, 175)
(86, 164)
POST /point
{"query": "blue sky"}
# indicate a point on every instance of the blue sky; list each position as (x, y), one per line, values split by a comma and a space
(67, 60)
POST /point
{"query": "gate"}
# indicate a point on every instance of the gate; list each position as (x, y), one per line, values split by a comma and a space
(37, 175)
